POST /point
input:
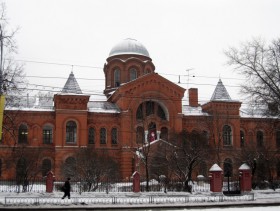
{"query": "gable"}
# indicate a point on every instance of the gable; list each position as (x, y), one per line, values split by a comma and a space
(149, 86)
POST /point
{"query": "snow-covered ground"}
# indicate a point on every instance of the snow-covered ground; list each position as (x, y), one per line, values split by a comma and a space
(263, 199)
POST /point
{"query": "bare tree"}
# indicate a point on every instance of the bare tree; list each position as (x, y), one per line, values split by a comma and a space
(91, 167)
(11, 74)
(190, 150)
(144, 156)
(261, 160)
(12, 80)
(27, 163)
(258, 62)
(160, 160)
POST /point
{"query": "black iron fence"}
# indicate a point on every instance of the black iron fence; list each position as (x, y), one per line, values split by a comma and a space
(80, 186)
(231, 185)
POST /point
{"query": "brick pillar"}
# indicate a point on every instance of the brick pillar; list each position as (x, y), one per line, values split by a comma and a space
(136, 182)
(245, 178)
(49, 182)
(216, 179)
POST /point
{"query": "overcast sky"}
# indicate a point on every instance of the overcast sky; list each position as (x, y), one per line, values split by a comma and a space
(179, 35)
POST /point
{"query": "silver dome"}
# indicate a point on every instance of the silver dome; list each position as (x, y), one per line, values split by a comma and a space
(129, 46)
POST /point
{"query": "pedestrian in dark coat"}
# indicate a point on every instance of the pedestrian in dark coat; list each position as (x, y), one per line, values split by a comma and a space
(66, 188)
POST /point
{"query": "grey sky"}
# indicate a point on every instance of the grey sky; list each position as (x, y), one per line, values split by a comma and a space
(178, 34)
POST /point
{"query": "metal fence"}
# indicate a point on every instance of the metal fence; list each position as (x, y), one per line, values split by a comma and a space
(231, 185)
(31, 186)
(19, 201)
(104, 186)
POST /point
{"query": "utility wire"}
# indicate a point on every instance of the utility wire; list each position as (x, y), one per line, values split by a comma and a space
(96, 67)
(55, 63)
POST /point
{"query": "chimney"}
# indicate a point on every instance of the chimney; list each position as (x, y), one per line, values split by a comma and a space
(193, 97)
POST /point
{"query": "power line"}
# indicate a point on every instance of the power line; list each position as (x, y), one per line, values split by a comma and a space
(55, 63)
(64, 78)
(96, 67)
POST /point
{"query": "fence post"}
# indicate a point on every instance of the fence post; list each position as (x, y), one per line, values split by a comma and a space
(245, 178)
(49, 182)
(216, 181)
(136, 182)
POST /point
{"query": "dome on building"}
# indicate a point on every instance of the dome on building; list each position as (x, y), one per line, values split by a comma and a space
(129, 46)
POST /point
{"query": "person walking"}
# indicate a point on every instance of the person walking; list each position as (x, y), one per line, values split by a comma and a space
(66, 188)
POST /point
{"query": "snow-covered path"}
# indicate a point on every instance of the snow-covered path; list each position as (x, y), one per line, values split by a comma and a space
(141, 201)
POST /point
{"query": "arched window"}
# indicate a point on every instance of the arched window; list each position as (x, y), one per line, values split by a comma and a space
(71, 132)
(228, 167)
(227, 135)
(150, 108)
(91, 135)
(259, 138)
(140, 135)
(103, 136)
(242, 138)
(117, 77)
(278, 138)
(70, 167)
(161, 113)
(139, 113)
(132, 74)
(164, 133)
(114, 135)
(46, 166)
(22, 134)
(47, 134)
(146, 71)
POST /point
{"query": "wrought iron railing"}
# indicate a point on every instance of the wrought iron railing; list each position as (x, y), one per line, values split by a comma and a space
(21, 201)
(107, 186)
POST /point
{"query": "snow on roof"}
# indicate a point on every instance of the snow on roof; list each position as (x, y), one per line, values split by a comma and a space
(93, 106)
(192, 111)
(220, 93)
(215, 167)
(103, 107)
(32, 103)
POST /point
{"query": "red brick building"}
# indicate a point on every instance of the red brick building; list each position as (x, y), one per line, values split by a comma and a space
(140, 106)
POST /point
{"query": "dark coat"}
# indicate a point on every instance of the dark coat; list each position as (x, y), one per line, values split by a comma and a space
(67, 186)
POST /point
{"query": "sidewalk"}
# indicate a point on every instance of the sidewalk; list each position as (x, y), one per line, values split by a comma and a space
(90, 201)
